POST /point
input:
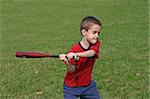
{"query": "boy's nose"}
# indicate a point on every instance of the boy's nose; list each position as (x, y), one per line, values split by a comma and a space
(96, 35)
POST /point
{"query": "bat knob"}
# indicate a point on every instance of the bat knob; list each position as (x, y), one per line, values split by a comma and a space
(77, 57)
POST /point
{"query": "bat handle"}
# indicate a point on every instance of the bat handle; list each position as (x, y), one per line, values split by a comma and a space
(54, 56)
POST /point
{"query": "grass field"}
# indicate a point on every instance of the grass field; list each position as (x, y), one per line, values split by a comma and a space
(53, 26)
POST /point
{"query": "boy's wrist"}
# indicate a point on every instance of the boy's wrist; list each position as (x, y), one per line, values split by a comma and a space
(78, 54)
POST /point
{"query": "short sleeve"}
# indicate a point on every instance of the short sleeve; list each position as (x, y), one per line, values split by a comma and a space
(96, 47)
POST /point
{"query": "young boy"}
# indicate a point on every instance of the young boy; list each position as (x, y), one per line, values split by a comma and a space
(80, 60)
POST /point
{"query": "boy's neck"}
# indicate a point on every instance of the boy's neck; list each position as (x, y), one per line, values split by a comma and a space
(84, 43)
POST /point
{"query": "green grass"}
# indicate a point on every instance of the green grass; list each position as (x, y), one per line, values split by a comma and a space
(53, 26)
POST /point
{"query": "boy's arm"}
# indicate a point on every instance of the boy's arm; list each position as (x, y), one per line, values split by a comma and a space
(70, 67)
(88, 53)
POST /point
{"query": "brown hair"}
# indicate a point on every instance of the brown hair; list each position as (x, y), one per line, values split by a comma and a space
(88, 21)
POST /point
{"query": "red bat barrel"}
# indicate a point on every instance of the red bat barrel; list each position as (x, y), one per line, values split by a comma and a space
(34, 55)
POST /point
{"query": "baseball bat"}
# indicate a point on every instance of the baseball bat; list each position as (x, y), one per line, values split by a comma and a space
(35, 55)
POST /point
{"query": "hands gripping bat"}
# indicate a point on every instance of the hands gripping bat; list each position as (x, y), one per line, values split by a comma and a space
(39, 55)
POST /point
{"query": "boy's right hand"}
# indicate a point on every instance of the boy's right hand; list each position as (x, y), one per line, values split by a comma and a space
(62, 57)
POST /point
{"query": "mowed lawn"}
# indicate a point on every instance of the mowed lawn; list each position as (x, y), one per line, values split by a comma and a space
(52, 26)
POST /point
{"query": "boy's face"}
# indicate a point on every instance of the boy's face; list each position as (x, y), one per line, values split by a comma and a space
(92, 34)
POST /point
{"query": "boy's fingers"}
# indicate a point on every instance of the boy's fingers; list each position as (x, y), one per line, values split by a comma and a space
(70, 55)
(62, 56)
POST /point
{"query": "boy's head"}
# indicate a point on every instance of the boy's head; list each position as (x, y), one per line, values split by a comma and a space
(88, 21)
(90, 29)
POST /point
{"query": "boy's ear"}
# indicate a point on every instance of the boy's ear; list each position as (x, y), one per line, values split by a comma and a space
(83, 31)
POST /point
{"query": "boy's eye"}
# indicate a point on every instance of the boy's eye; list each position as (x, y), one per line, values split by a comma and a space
(96, 32)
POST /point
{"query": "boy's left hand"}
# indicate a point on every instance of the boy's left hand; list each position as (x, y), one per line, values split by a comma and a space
(72, 55)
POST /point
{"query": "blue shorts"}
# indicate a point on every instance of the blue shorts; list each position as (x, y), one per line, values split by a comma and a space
(87, 92)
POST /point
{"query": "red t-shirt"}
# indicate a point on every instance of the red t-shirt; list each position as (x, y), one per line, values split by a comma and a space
(82, 75)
